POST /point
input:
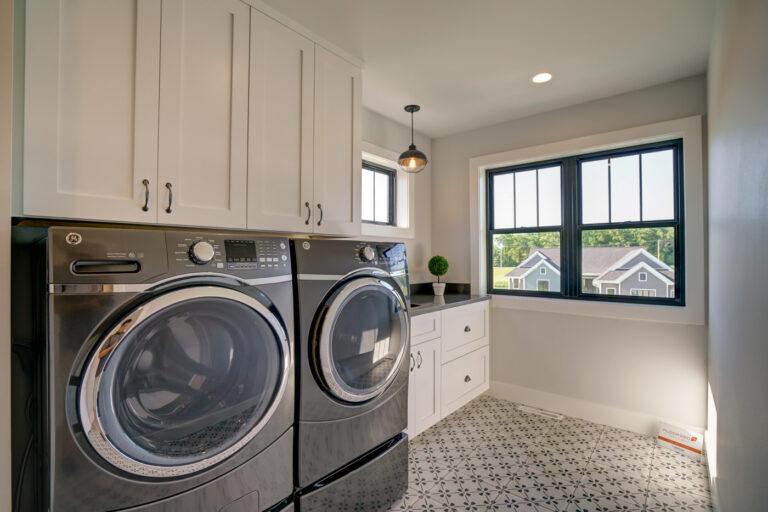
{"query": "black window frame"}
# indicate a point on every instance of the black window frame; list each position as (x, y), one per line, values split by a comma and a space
(572, 226)
(392, 196)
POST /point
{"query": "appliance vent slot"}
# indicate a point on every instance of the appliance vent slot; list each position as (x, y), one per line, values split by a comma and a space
(540, 412)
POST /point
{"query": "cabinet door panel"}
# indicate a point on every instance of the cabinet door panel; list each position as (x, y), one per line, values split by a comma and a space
(280, 166)
(338, 162)
(91, 109)
(203, 112)
(424, 387)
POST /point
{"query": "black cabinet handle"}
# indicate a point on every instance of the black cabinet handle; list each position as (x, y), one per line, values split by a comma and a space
(421, 360)
(467, 328)
(467, 378)
(170, 198)
(309, 213)
(320, 207)
(145, 208)
(413, 362)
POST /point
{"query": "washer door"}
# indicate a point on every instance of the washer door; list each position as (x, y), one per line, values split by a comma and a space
(363, 339)
(184, 381)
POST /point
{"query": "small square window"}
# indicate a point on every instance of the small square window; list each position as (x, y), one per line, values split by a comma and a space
(543, 270)
(378, 194)
(642, 277)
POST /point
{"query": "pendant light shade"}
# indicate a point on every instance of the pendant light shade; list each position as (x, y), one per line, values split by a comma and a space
(412, 160)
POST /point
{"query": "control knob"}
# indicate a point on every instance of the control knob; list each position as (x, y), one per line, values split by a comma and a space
(367, 253)
(201, 253)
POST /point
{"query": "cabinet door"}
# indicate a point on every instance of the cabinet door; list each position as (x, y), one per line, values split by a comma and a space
(204, 113)
(424, 387)
(280, 141)
(338, 164)
(91, 94)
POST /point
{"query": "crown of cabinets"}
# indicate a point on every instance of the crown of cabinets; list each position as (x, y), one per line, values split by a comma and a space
(187, 112)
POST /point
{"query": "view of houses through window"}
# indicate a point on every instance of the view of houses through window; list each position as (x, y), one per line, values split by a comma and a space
(623, 239)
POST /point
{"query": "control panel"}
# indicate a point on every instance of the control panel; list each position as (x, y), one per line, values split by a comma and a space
(257, 254)
(242, 255)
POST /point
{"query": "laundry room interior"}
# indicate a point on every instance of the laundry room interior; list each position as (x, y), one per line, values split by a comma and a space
(383, 256)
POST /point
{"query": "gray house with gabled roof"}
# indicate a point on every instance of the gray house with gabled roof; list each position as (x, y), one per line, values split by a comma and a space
(604, 270)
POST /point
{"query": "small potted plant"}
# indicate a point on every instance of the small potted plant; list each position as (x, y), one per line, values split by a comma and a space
(438, 266)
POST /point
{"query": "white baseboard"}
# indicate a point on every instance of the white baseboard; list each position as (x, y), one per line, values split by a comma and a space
(639, 422)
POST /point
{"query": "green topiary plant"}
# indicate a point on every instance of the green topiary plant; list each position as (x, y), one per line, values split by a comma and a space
(438, 266)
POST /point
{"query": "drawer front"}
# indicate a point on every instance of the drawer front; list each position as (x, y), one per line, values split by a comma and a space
(425, 327)
(465, 329)
(464, 379)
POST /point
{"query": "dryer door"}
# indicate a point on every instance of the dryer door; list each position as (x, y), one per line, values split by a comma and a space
(184, 381)
(363, 338)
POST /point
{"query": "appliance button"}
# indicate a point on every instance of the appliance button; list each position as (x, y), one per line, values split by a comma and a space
(201, 253)
(284, 257)
(367, 253)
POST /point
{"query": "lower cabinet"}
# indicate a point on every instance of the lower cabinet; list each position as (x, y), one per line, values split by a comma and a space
(449, 363)
(424, 387)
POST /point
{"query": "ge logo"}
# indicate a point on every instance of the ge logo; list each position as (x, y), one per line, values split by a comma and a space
(306, 246)
(74, 238)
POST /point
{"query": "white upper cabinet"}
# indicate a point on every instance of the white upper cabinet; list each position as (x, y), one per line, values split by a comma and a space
(338, 88)
(203, 122)
(91, 97)
(187, 112)
(280, 166)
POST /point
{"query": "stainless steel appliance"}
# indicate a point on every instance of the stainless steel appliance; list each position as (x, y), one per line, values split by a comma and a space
(168, 381)
(352, 346)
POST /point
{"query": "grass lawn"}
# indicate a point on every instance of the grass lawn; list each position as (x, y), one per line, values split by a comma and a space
(499, 281)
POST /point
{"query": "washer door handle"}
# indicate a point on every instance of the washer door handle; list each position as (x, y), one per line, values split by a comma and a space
(413, 362)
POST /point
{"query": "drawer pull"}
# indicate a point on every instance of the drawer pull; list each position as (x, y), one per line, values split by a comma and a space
(421, 360)
(467, 378)
(467, 328)
(413, 362)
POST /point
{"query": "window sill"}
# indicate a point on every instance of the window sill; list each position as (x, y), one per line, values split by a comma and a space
(386, 231)
(600, 309)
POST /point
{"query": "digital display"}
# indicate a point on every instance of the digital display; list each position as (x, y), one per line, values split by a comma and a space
(240, 250)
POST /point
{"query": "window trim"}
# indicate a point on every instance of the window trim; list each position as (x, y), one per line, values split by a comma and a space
(392, 196)
(572, 227)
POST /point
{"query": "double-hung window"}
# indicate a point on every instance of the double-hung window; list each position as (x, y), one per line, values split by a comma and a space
(378, 194)
(599, 226)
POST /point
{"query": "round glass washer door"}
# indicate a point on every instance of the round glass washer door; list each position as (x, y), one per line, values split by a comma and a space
(363, 339)
(184, 381)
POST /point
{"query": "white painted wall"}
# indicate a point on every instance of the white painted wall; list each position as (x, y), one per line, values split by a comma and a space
(6, 117)
(621, 371)
(385, 133)
(738, 210)
(450, 214)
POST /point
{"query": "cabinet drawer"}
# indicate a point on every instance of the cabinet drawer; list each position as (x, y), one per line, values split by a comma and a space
(425, 327)
(465, 329)
(464, 379)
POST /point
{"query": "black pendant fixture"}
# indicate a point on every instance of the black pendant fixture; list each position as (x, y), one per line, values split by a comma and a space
(412, 160)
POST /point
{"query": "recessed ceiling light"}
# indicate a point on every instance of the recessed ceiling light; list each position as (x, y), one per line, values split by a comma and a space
(541, 78)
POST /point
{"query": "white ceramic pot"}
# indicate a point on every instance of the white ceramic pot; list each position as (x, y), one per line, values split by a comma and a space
(438, 288)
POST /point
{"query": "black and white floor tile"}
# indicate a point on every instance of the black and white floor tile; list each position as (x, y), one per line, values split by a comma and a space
(490, 456)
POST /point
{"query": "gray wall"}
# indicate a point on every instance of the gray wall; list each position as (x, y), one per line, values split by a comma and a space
(388, 134)
(619, 371)
(450, 215)
(738, 211)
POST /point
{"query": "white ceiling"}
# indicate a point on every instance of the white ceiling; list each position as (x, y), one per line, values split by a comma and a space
(468, 63)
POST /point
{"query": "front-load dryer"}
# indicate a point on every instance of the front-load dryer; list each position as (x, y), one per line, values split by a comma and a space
(352, 357)
(168, 381)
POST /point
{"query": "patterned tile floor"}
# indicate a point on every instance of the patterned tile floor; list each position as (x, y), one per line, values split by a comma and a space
(491, 456)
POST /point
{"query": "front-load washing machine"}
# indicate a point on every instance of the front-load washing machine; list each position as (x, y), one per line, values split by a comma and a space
(352, 358)
(168, 381)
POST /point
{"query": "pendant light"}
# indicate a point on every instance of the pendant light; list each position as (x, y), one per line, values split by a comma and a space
(412, 160)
